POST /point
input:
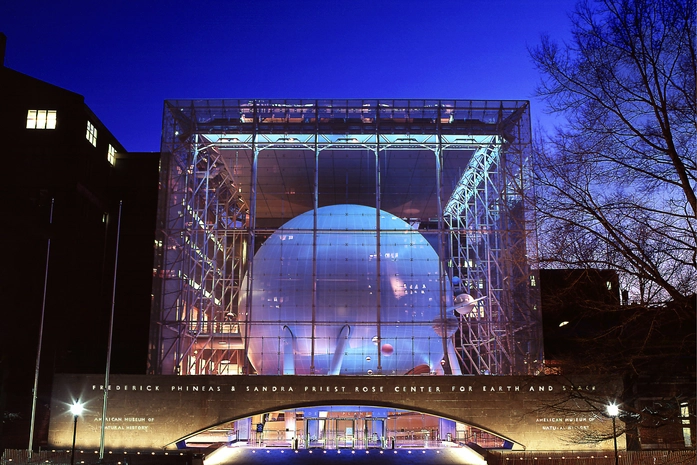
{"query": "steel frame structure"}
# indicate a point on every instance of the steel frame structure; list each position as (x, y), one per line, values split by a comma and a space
(215, 209)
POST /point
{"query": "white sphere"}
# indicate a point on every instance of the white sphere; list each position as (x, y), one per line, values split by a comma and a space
(406, 299)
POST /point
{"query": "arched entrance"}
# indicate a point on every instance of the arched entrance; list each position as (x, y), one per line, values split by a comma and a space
(346, 427)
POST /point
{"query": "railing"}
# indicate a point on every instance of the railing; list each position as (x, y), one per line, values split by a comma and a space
(85, 457)
(603, 457)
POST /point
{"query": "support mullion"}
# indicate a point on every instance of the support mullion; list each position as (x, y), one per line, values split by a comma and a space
(315, 206)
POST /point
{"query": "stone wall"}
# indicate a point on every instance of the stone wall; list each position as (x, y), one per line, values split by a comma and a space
(146, 412)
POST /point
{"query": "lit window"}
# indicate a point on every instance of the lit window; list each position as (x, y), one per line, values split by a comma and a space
(91, 134)
(41, 119)
(111, 155)
(609, 285)
(686, 431)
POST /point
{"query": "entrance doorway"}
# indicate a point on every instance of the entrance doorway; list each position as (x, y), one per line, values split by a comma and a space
(341, 431)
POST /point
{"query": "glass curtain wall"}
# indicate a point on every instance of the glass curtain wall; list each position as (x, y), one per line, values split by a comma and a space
(344, 237)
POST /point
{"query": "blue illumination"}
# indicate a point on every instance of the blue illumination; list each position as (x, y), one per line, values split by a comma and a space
(349, 293)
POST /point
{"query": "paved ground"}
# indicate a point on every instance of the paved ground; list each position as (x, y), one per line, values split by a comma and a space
(453, 456)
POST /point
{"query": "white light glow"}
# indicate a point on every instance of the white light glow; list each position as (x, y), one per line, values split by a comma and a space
(469, 456)
(76, 409)
(220, 455)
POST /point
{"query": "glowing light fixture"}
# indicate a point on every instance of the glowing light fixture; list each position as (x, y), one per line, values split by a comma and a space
(76, 410)
(613, 410)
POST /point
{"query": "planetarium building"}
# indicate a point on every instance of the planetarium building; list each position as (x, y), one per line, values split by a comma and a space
(338, 274)
(345, 237)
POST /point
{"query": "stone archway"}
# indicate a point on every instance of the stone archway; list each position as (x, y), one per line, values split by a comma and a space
(152, 412)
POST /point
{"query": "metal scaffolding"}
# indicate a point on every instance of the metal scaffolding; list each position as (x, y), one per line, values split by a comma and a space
(233, 171)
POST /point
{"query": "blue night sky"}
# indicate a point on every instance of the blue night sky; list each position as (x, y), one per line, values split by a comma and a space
(127, 57)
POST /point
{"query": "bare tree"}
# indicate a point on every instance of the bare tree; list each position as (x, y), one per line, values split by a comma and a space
(615, 190)
(616, 183)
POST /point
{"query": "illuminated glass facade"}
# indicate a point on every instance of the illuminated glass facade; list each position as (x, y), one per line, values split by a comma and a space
(322, 302)
(335, 237)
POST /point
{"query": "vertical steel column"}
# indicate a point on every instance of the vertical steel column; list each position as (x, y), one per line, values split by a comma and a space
(200, 261)
(187, 269)
(315, 206)
(251, 239)
(447, 368)
(378, 234)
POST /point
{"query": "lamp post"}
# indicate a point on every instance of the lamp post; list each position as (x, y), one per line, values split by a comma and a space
(76, 410)
(613, 411)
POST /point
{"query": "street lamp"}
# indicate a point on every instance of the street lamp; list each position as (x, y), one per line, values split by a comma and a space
(613, 410)
(76, 410)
